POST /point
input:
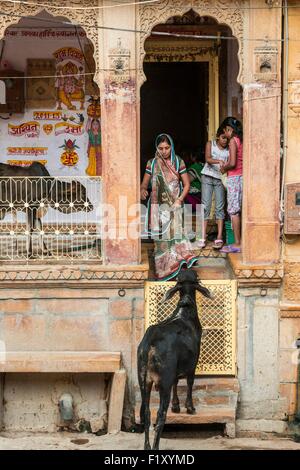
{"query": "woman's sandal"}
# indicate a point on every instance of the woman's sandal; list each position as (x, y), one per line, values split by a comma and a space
(201, 243)
(218, 244)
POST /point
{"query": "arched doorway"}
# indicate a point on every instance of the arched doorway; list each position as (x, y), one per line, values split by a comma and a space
(191, 83)
(50, 117)
(191, 71)
(54, 90)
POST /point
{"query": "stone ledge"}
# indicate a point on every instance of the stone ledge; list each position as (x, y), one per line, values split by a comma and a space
(289, 309)
(202, 416)
(81, 275)
(261, 425)
(61, 361)
(255, 275)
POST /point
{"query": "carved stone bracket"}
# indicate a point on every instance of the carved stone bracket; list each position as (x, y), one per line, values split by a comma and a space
(119, 64)
(255, 275)
(294, 96)
(291, 284)
(266, 64)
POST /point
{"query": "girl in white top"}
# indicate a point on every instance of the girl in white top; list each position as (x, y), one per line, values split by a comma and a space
(216, 153)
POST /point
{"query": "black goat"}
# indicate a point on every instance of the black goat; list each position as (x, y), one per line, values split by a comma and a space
(26, 190)
(170, 351)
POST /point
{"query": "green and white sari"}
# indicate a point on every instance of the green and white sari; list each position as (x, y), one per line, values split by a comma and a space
(164, 223)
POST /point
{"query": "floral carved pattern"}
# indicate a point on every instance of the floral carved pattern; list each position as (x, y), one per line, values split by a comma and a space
(150, 15)
(70, 275)
(256, 277)
(291, 283)
(290, 314)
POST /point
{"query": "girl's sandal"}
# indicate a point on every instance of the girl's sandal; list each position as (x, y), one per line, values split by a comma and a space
(218, 244)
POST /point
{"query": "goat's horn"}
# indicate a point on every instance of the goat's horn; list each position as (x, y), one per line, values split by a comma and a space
(204, 291)
(169, 294)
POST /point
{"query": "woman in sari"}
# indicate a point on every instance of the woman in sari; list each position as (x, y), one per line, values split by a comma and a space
(167, 174)
(94, 167)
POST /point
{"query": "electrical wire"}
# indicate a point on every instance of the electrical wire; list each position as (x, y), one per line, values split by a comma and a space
(145, 2)
(38, 77)
(96, 7)
(140, 31)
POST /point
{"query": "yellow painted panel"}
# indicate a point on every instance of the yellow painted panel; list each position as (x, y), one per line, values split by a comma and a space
(218, 320)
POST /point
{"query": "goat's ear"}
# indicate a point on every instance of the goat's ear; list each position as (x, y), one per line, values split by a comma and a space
(169, 294)
(204, 291)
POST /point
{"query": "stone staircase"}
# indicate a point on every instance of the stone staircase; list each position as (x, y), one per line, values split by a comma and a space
(215, 400)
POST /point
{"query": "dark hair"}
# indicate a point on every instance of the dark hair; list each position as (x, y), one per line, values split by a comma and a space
(220, 131)
(235, 124)
(163, 138)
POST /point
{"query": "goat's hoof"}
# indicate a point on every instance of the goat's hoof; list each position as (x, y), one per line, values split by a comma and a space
(138, 428)
(191, 411)
(147, 447)
(47, 253)
(175, 409)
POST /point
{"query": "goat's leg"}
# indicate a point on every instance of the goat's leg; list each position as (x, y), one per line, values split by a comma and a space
(42, 243)
(145, 416)
(175, 400)
(15, 228)
(30, 218)
(189, 398)
(165, 396)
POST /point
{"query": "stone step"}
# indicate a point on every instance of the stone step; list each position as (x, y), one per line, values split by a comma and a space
(212, 272)
(208, 386)
(205, 401)
(215, 400)
(202, 416)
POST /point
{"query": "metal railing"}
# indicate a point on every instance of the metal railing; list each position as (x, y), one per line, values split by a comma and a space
(50, 218)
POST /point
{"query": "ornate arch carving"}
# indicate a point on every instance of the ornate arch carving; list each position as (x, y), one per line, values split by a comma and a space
(150, 15)
(86, 18)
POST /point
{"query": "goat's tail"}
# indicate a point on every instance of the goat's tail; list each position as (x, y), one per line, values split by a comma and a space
(142, 378)
(142, 360)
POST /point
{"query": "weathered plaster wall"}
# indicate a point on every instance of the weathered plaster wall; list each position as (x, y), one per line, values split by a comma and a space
(289, 358)
(31, 400)
(261, 406)
(97, 318)
(73, 320)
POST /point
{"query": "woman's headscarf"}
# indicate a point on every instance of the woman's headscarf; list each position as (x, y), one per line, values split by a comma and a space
(165, 180)
(174, 158)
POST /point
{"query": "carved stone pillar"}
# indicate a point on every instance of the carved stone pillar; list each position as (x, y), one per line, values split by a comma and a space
(119, 144)
(261, 243)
